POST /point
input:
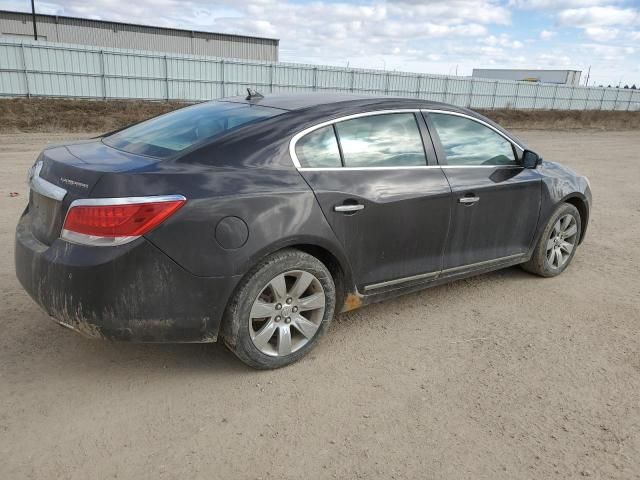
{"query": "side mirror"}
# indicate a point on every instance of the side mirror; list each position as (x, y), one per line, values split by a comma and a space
(531, 159)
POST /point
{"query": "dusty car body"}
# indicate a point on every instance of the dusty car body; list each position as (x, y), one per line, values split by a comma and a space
(241, 193)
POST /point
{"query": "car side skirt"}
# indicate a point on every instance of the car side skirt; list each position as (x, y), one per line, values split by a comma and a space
(394, 288)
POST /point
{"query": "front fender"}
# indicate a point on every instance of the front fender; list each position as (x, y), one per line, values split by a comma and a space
(560, 184)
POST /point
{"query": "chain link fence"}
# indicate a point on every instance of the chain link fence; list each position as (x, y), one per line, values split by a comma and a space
(30, 68)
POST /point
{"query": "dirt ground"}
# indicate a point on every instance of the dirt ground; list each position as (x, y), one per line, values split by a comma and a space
(501, 376)
(39, 115)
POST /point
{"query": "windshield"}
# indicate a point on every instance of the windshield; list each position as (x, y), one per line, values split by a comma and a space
(173, 132)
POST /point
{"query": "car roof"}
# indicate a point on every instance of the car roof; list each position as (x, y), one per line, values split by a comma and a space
(317, 105)
(304, 101)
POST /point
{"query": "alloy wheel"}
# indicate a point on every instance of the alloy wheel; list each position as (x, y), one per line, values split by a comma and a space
(287, 313)
(562, 241)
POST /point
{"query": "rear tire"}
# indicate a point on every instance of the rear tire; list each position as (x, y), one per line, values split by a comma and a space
(280, 310)
(557, 244)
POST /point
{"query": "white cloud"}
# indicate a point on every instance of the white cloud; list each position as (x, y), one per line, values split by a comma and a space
(553, 60)
(502, 40)
(456, 11)
(601, 34)
(598, 16)
(556, 4)
(547, 34)
(317, 32)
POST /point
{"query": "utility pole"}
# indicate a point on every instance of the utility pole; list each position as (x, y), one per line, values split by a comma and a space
(33, 15)
(586, 84)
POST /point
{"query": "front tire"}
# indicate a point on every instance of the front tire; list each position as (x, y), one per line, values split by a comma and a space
(280, 310)
(557, 244)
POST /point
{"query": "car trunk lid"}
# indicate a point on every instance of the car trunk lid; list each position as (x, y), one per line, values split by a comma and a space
(63, 174)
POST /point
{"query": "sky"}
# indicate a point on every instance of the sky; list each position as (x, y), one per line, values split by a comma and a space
(432, 36)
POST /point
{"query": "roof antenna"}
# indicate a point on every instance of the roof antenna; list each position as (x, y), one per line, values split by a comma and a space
(253, 94)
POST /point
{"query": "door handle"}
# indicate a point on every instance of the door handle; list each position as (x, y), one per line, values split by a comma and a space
(348, 208)
(468, 200)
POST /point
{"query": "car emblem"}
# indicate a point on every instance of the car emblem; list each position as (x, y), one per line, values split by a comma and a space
(74, 183)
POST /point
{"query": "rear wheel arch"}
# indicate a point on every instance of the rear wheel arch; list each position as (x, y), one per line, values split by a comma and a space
(319, 247)
(341, 276)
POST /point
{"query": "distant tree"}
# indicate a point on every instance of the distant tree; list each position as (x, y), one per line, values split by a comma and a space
(608, 86)
(633, 87)
(601, 85)
(626, 86)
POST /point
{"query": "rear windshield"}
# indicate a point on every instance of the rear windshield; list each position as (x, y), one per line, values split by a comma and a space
(173, 132)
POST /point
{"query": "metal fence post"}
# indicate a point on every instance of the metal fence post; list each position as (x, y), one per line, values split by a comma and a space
(495, 94)
(24, 68)
(630, 98)
(315, 78)
(419, 78)
(446, 89)
(604, 92)
(588, 99)
(615, 102)
(386, 87)
(102, 74)
(353, 80)
(166, 78)
(535, 97)
(515, 97)
(470, 94)
(573, 90)
(555, 96)
(222, 77)
(271, 79)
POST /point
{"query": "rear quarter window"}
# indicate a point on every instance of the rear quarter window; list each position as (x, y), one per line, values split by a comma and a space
(319, 149)
(169, 134)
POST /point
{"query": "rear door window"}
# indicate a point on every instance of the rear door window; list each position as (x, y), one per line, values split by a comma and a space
(386, 140)
(173, 132)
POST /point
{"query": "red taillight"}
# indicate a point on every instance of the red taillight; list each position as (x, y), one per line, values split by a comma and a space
(117, 218)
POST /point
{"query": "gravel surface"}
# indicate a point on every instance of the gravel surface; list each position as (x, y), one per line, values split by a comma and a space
(500, 376)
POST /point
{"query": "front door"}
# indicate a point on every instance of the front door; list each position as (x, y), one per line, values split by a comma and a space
(388, 207)
(495, 201)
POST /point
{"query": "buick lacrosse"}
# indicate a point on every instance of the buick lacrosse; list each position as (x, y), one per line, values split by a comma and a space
(254, 220)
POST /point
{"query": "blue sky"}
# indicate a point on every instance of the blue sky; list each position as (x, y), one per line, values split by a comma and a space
(434, 36)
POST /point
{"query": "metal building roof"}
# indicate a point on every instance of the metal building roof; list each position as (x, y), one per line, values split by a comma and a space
(112, 23)
(111, 34)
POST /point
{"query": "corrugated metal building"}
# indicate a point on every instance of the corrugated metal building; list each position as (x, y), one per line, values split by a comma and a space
(558, 77)
(100, 33)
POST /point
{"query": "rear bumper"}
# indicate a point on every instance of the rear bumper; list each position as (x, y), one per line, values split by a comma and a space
(129, 292)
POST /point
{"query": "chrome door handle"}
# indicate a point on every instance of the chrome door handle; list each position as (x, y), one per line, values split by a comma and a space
(348, 208)
(468, 200)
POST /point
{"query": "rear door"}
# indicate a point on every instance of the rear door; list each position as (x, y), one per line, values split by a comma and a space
(495, 201)
(382, 192)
